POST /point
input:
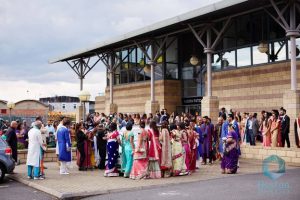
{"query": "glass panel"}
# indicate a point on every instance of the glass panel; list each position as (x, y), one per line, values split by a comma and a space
(131, 76)
(171, 53)
(258, 57)
(190, 92)
(158, 72)
(187, 73)
(277, 51)
(216, 62)
(132, 59)
(228, 60)
(171, 71)
(124, 76)
(139, 75)
(124, 59)
(243, 57)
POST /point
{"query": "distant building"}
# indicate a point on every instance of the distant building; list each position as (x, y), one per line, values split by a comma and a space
(27, 110)
(67, 104)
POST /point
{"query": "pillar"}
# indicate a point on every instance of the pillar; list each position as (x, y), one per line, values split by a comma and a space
(79, 113)
(151, 105)
(210, 107)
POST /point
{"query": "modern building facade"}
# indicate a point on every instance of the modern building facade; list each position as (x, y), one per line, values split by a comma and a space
(238, 54)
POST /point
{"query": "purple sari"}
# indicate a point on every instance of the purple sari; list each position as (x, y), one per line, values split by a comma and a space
(231, 156)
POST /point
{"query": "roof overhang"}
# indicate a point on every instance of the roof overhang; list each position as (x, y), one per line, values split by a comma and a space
(208, 13)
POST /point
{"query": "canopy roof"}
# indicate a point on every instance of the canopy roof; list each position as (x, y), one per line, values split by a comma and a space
(205, 14)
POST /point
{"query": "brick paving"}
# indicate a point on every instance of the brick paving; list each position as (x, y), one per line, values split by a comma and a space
(80, 184)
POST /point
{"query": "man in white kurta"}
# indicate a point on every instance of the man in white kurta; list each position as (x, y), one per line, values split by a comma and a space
(35, 144)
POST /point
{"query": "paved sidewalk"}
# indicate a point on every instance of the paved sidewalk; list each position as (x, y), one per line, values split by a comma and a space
(82, 184)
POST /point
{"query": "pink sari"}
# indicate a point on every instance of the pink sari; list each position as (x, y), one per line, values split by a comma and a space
(154, 156)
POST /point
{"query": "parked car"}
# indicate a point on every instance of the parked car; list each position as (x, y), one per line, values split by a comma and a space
(7, 164)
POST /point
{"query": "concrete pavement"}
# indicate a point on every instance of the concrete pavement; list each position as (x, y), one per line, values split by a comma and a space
(82, 184)
(242, 187)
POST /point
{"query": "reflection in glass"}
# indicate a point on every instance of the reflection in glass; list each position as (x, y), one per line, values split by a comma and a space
(228, 60)
(216, 63)
(277, 51)
(243, 57)
(171, 71)
(258, 57)
(171, 53)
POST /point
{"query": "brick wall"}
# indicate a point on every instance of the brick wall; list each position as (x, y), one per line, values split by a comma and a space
(100, 104)
(131, 98)
(290, 155)
(253, 89)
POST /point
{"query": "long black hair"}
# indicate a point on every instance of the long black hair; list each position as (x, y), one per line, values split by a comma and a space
(154, 127)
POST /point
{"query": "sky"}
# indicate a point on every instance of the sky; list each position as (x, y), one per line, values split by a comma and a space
(34, 31)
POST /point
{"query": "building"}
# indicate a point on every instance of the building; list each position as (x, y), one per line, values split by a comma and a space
(67, 104)
(27, 110)
(235, 54)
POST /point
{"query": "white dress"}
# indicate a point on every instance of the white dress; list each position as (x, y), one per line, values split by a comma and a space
(35, 143)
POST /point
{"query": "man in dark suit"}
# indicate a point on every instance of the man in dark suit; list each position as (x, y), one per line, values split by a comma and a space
(11, 139)
(285, 127)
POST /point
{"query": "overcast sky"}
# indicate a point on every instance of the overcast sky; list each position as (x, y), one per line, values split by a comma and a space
(34, 31)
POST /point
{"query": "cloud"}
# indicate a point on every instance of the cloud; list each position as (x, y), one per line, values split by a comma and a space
(32, 32)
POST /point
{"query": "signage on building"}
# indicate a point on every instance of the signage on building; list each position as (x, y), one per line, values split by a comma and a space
(191, 100)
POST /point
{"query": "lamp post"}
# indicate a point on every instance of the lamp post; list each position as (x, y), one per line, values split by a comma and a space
(84, 96)
(10, 105)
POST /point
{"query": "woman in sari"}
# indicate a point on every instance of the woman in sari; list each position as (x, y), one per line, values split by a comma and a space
(113, 140)
(185, 144)
(140, 163)
(166, 159)
(127, 150)
(266, 127)
(192, 138)
(178, 159)
(154, 151)
(229, 163)
(275, 128)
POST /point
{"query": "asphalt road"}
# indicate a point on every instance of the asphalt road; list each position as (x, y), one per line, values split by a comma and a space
(244, 187)
(12, 190)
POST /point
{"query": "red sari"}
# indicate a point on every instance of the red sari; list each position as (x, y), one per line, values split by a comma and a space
(192, 136)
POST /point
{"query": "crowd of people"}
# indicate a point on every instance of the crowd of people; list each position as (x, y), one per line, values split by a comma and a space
(155, 146)
(148, 146)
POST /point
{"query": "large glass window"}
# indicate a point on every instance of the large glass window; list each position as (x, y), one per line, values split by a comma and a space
(258, 57)
(244, 57)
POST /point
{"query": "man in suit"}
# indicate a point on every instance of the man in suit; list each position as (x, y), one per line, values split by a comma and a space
(252, 128)
(11, 139)
(285, 127)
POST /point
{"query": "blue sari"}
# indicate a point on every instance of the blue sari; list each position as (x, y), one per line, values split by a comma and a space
(112, 154)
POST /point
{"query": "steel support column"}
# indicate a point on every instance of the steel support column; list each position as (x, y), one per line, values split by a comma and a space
(209, 47)
(81, 68)
(111, 61)
(292, 31)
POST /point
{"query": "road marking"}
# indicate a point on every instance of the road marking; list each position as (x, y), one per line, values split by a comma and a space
(4, 186)
(169, 193)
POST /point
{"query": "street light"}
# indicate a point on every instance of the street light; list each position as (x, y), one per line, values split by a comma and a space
(84, 96)
(10, 105)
